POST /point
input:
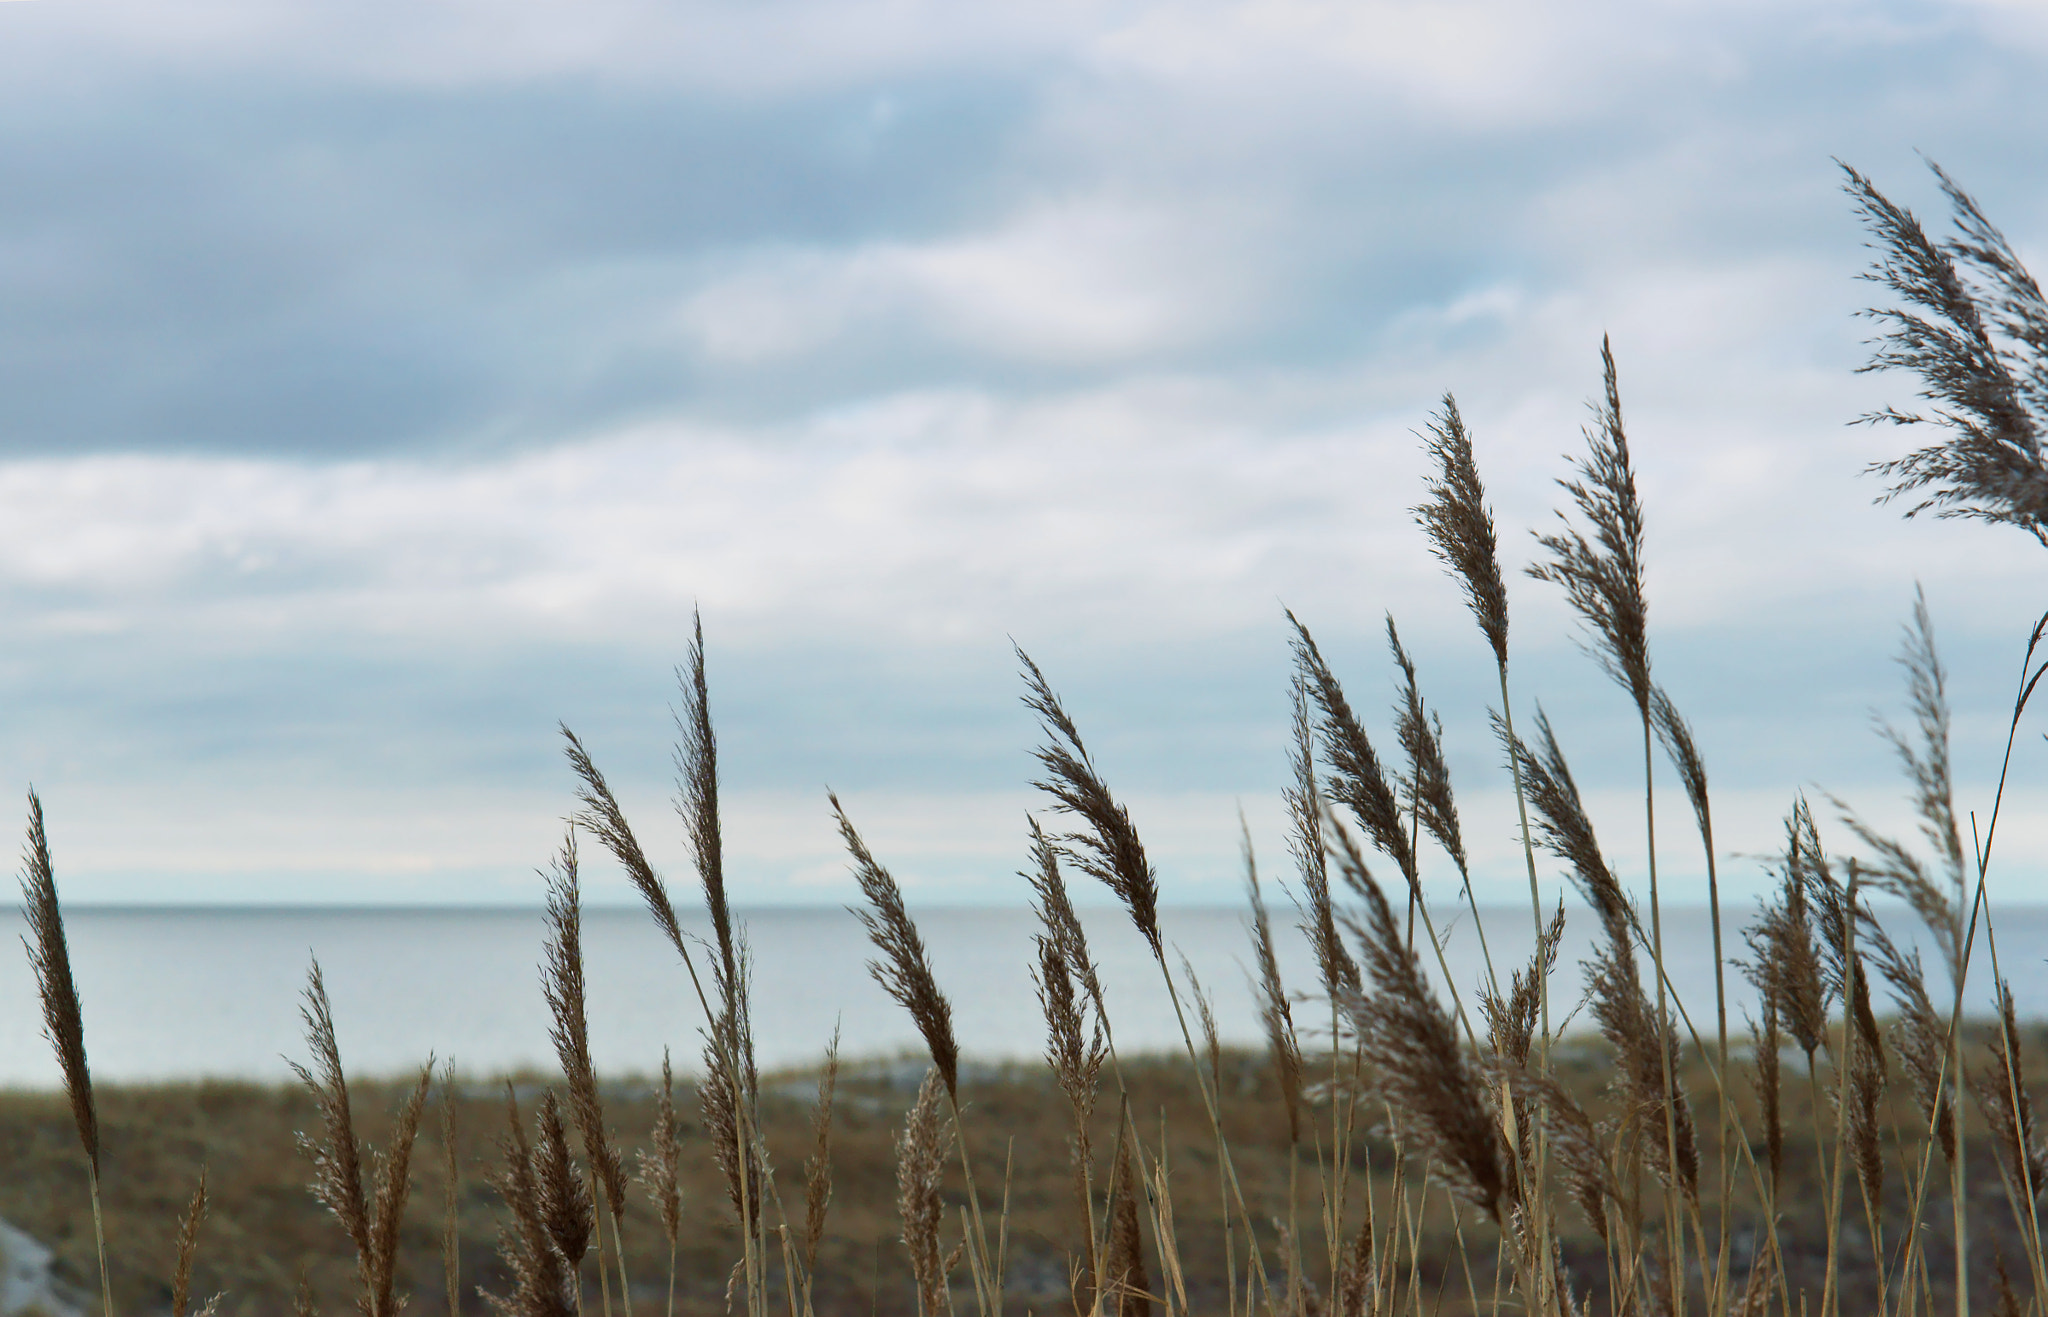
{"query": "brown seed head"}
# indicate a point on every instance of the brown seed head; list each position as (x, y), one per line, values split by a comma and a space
(1358, 780)
(1410, 1041)
(1339, 972)
(1603, 578)
(904, 971)
(1429, 778)
(1974, 328)
(1460, 526)
(561, 980)
(661, 1162)
(1110, 850)
(49, 955)
(565, 1204)
(920, 1159)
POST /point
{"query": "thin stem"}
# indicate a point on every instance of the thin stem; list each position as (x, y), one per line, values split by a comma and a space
(99, 1236)
(1674, 1227)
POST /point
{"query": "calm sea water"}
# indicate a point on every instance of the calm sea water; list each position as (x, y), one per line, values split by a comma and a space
(191, 993)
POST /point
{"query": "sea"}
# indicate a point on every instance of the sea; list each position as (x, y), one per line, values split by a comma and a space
(192, 994)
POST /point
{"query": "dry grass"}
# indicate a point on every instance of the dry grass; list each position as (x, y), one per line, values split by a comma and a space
(1396, 1164)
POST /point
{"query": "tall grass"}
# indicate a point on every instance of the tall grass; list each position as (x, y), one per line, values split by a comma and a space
(1559, 1190)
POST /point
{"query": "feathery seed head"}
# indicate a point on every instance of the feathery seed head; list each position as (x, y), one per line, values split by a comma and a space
(1110, 851)
(1460, 525)
(1429, 778)
(49, 956)
(1974, 328)
(1358, 781)
(1603, 578)
(904, 971)
(562, 984)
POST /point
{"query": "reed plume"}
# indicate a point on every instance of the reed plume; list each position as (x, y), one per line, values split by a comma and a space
(729, 1096)
(1304, 799)
(1461, 533)
(371, 1216)
(1412, 1044)
(1430, 799)
(696, 758)
(1925, 759)
(1428, 784)
(49, 956)
(1919, 1037)
(392, 1173)
(1276, 1013)
(188, 1250)
(1128, 1285)
(1841, 918)
(562, 983)
(1058, 920)
(1460, 526)
(1974, 329)
(1642, 1033)
(1769, 1085)
(337, 1157)
(1352, 1290)
(659, 1167)
(904, 970)
(818, 1166)
(1205, 1022)
(1575, 1140)
(1786, 967)
(1603, 578)
(920, 1158)
(1110, 850)
(2001, 1093)
(1357, 780)
(565, 1206)
(543, 1282)
(1075, 1047)
(1512, 1020)
(602, 818)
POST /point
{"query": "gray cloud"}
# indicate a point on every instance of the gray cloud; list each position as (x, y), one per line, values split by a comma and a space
(373, 394)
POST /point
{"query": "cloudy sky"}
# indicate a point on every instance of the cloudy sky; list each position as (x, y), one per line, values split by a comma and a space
(382, 383)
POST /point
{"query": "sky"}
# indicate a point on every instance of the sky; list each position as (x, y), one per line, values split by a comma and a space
(383, 384)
